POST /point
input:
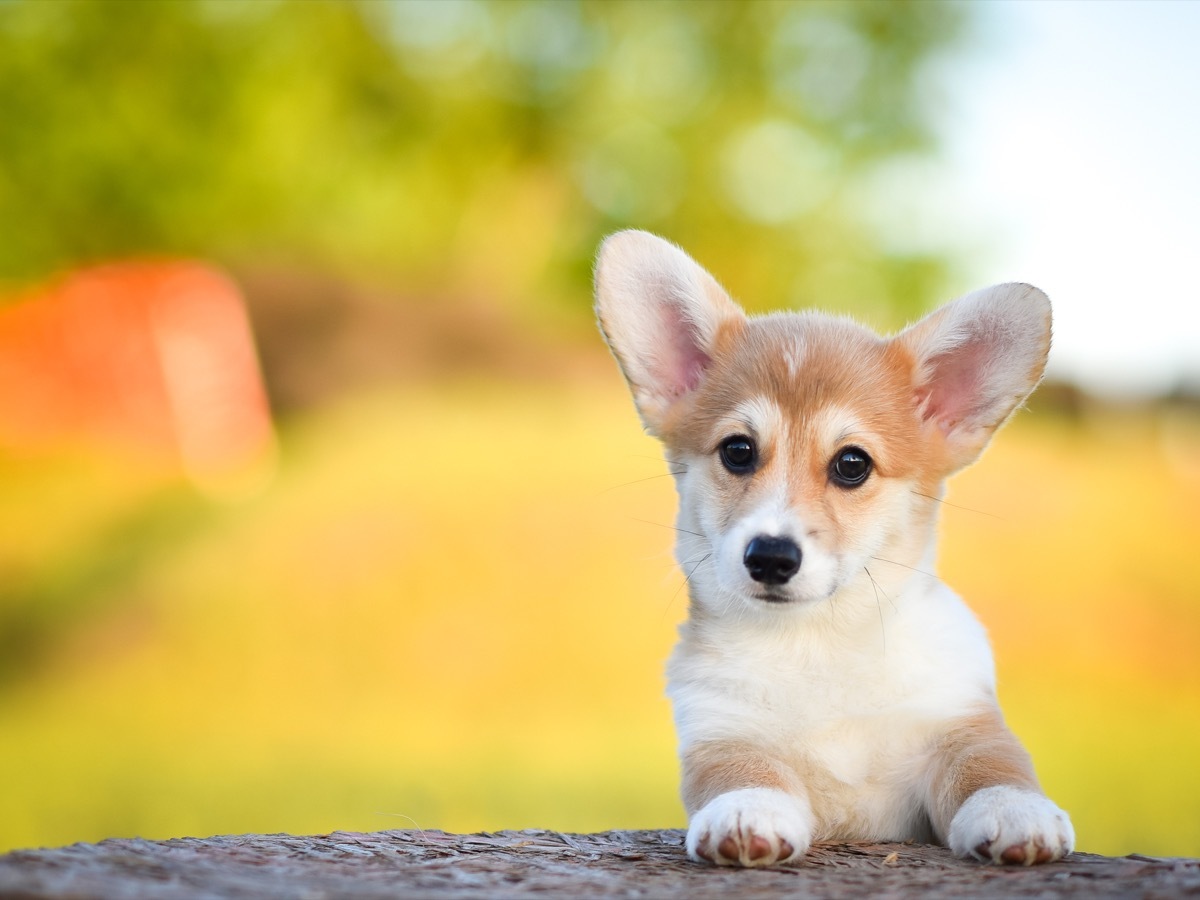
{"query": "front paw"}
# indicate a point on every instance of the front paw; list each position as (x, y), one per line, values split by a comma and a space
(1011, 825)
(751, 827)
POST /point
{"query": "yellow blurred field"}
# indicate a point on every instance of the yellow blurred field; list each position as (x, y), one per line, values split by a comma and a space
(451, 609)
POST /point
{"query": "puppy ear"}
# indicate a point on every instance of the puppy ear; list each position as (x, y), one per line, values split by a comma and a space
(977, 359)
(660, 313)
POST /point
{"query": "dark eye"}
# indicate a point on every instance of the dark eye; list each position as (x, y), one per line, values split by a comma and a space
(738, 454)
(850, 467)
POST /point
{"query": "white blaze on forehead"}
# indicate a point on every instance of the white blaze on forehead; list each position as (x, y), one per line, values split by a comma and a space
(793, 354)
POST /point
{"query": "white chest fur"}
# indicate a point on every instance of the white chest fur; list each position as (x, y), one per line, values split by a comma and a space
(850, 698)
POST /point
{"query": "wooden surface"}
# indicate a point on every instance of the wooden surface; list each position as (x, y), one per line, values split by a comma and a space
(642, 864)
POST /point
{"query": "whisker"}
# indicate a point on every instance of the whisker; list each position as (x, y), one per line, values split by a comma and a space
(695, 561)
(879, 607)
(640, 480)
(687, 578)
(879, 590)
(672, 527)
(655, 458)
(903, 566)
(978, 512)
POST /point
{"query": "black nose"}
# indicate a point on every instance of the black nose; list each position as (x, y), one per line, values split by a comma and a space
(772, 560)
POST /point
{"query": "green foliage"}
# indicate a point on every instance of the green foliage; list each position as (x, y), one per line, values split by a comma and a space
(457, 146)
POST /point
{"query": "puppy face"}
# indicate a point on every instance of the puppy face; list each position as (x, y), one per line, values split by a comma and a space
(799, 455)
(807, 447)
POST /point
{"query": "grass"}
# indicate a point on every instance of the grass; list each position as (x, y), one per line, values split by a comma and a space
(451, 609)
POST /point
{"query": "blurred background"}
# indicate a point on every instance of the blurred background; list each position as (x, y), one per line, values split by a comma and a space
(323, 506)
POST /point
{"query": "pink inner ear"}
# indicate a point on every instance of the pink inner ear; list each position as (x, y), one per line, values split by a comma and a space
(683, 361)
(692, 364)
(953, 390)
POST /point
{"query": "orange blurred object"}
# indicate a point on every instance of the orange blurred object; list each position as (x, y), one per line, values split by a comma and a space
(153, 356)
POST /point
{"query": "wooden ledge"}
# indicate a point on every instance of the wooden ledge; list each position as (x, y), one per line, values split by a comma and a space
(531, 863)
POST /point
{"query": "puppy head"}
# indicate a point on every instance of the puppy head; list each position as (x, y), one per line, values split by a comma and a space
(807, 445)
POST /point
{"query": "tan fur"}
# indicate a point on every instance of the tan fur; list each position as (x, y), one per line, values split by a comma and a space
(716, 767)
(975, 753)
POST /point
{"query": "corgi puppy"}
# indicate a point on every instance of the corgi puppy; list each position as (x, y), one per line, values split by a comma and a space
(826, 685)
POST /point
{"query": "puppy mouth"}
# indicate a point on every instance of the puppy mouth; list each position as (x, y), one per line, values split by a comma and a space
(774, 596)
(780, 595)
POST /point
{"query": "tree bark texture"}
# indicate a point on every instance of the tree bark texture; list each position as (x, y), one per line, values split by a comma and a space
(534, 863)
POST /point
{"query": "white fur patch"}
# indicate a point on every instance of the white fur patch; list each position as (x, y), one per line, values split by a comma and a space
(761, 416)
(751, 827)
(793, 357)
(1007, 820)
(814, 682)
(835, 427)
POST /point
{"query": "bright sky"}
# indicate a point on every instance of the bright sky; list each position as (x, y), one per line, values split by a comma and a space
(1076, 139)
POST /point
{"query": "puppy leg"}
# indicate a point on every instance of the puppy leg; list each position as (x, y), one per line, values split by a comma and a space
(744, 808)
(984, 800)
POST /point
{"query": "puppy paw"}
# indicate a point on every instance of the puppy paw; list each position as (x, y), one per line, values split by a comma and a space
(751, 827)
(1009, 825)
